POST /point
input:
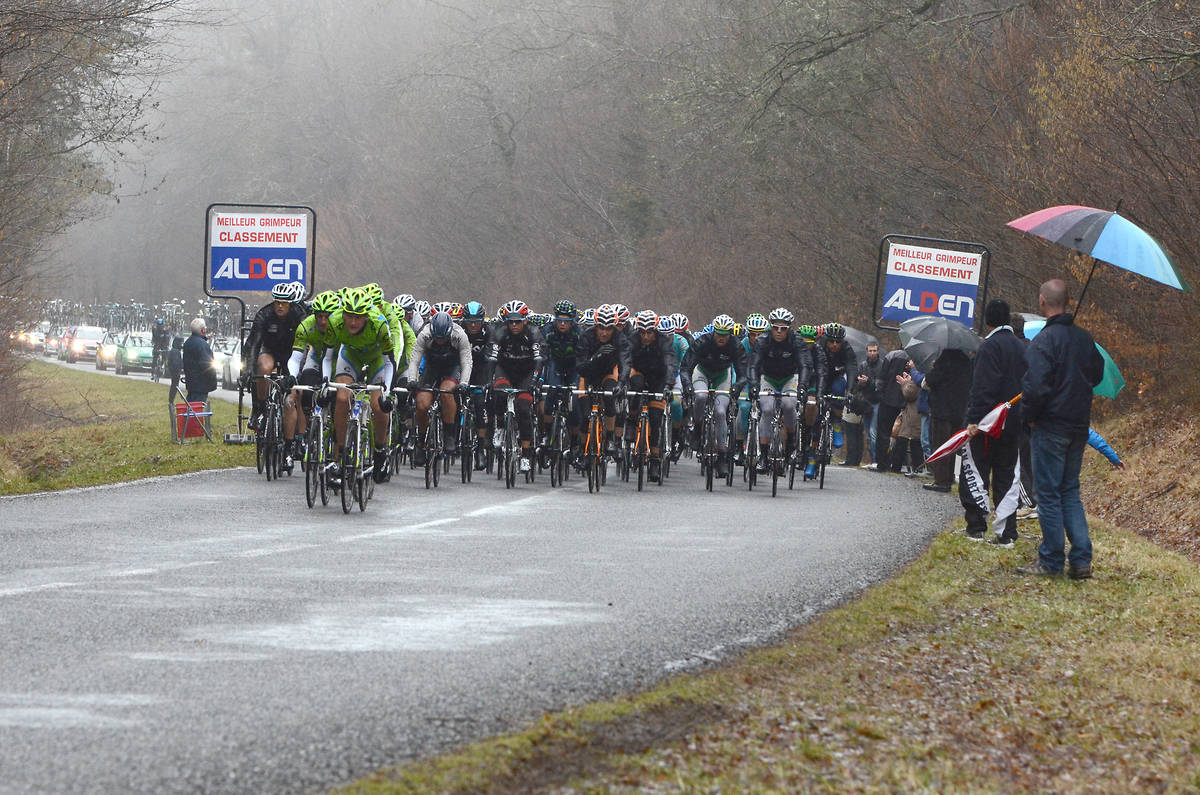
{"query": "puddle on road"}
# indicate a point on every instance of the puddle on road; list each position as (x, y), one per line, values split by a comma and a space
(58, 711)
(408, 625)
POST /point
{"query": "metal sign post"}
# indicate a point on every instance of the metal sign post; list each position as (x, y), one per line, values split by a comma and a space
(930, 276)
(250, 248)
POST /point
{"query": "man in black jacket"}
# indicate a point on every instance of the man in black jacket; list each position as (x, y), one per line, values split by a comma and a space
(1064, 367)
(999, 366)
(949, 386)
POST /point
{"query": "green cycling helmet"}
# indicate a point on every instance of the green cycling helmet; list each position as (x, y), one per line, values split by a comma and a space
(807, 332)
(358, 302)
(327, 301)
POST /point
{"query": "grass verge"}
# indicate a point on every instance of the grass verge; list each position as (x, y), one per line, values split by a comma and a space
(85, 429)
(958, 675)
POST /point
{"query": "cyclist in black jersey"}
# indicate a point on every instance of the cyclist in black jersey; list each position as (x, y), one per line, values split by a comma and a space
(269, 345)
(603, 364)
(515, 358)
(562, 336)
(479, 334)
(652, 369)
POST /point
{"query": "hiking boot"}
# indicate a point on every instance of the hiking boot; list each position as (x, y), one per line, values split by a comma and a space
(1036, 569)
(1001, 542)
(1083, 572)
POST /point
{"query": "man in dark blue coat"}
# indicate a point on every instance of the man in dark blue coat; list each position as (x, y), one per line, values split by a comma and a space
(1056, 402)
(198, 370)
(999, 367)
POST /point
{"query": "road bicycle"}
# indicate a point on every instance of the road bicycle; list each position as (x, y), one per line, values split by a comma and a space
(824, 451)
(506, 440)
(558, 443)
(708, 452)
(435, 437)
(639, 452)
(319, 453)
(594, 459)
(750, 455)
(402, 434)
(778, 459)
(268, 439)
(357, 483)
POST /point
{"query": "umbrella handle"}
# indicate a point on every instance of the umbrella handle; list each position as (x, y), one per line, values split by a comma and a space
(1079, 303)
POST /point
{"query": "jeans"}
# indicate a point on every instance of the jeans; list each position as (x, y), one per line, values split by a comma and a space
(925, 428)
(1056, 463)
(869, 428)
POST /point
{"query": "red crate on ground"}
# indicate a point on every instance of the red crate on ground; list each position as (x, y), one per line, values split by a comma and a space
(191, 426)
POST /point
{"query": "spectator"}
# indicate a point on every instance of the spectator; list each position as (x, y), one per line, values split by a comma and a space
(198, 368)
(923, 410)
(891, 402)
(1028, 509)
(854, 418)
(1064, 367)
(999, 366)
(175, 367)
(868, 375)
(908, 424)
(949, 385)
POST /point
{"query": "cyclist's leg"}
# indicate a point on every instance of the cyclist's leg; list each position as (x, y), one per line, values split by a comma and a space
(450, 411)
(700, 401)
(345, 371)
(721, 411)
(524, 408)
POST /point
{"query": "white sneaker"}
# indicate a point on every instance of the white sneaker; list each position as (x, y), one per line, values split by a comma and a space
(1027, 513)
(525, 465)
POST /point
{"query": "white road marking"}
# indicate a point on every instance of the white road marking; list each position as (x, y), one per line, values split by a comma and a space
(395, 531)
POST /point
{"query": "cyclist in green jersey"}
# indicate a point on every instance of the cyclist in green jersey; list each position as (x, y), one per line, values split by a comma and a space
(304, 367)
(362, 350)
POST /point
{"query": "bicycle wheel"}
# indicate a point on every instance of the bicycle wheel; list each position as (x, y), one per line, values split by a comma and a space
(511, 465)
(776, 459)
(665, 445)
(824, 453)
(260, 452)
(466, 452)
(365, 482)
(313, 466)
(269, 443)
(709, 448)
(349, 466)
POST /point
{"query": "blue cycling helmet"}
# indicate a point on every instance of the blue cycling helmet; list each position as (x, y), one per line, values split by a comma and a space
(474, 311)
(707, 329)
(440, 325)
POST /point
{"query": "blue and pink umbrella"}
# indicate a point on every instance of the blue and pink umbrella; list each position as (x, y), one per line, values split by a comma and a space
(1103, 235)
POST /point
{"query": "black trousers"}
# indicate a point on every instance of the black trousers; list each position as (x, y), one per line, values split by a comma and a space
(941, 430)
(996, 460)
(854, 433)
(886, 417)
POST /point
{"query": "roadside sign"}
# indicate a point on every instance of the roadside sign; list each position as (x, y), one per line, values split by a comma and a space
(928, 276)
(251, 248)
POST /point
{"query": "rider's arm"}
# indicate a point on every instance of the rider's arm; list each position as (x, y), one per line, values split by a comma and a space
(803, 367)
(295, 363)
(327, 363)
(624, 356)
(415, 356)
(466, 362)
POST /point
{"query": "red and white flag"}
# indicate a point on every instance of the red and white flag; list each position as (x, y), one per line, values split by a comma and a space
(991, 424)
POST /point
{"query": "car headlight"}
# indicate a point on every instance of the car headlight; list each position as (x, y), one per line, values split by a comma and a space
(131, 355)
(77, 346)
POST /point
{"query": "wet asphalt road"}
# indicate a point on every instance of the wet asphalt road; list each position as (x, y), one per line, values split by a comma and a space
(210, 633)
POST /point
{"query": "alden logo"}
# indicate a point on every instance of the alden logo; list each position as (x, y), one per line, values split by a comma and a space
(259, 268)
(949, 305)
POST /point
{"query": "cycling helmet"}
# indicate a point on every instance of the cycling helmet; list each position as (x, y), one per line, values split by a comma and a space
(327, 301)
(737, 329)
(358, 302)
(440, 325)
(588, 319)
(808, 332)
(622, 313)
(282, 292)
(723, 324)
(159, 320)
(474, 311)
(443, 306)
(835, 332)
(708, 329)
(646, 320)
(565, 307)
(405, 301)
(541, 319)
(606, 316)
(665, 325)
(781, 315)
(456, 311)
(514, 310)
(756, 322)
(681, 321)
(423, 308)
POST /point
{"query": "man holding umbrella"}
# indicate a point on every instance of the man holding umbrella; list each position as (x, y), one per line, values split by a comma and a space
(999, 367)
(1064, 367)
